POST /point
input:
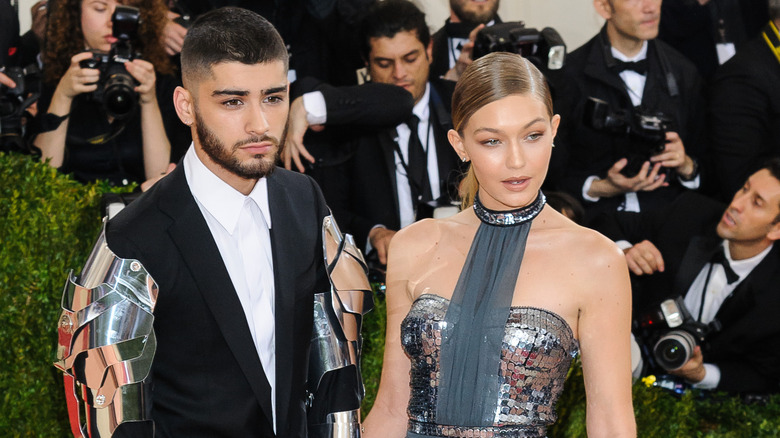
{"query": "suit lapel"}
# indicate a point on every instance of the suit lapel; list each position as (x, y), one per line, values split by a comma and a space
(756, 283)
(282, 237)
(388, 144)
(191, 235)
(698, 253)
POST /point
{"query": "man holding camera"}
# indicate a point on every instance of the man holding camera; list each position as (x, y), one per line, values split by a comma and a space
(636, 75)
(394, 174)
(725, 265)
(452, 43)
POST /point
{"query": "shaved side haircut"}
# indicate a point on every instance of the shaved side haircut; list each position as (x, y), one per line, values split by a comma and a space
(229, 34)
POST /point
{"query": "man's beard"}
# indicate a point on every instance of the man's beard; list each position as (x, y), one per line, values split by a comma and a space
(470, 16)
(263, 165)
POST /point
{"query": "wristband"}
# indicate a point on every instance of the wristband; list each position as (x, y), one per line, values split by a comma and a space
(50, 122)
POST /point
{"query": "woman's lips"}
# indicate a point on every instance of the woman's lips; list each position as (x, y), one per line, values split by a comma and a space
(516, 184)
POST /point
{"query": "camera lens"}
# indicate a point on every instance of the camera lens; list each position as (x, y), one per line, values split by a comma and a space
(674, 349)
(119, 97)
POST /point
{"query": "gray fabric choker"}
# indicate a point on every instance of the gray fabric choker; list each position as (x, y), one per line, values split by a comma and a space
(476, 317)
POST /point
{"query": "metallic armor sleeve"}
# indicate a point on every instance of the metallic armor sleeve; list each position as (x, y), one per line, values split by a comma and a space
(334, 408)
(106, 342)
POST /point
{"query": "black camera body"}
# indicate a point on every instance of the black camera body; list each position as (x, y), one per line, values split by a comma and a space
(669, 334)
(13, 104)
(645, 130)
(545, 49)
(116, 87)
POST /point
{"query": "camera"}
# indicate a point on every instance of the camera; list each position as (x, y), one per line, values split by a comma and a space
(672, 332)
(116, 86)
(645, 130)
(545, 49)
(14, 103)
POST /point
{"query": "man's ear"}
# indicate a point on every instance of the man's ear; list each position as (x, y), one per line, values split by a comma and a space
(603, 8)
(429, 51)
(185, 105)
(774, 232)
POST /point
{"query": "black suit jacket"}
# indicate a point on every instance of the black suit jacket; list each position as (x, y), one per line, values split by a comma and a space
(583, 151)
(744, 110)
(747, 348)
(207, 379)
(362, 189)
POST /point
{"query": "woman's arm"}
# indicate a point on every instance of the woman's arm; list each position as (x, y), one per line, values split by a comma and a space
(388, 416)
(604, 328)
(75, 81)
(156, 147)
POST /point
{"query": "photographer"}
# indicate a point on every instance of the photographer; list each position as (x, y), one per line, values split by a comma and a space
(725, 265)
(634, 73)
(77, 133)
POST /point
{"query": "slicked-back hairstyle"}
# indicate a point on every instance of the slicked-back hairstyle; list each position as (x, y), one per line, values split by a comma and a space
(389, 17)
(488, 79)
(229, 34)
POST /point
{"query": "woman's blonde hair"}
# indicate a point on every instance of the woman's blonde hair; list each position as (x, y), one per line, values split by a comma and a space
(488, 79)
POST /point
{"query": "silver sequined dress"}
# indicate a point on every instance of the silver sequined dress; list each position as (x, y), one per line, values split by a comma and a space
(537, 349)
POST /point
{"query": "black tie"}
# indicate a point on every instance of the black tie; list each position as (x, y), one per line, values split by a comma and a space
(637, 66)
(418, 165)
(720, 257)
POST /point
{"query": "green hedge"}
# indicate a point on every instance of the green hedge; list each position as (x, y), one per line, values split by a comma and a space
(48, 223)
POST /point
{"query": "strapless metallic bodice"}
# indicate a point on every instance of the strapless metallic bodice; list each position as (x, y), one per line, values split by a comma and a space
(537, 349)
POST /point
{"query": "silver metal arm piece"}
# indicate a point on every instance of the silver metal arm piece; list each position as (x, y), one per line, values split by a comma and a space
(336, 343)
(106, 342)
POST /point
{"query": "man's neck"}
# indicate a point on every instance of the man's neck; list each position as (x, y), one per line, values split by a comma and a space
(242, 185)
(742, 250)
(629, 47)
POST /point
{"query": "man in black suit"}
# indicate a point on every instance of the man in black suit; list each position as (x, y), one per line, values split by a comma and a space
(726, 266)
(393, 173)
(233, 242)
(628, 68)
(745, 107)
(457, 35)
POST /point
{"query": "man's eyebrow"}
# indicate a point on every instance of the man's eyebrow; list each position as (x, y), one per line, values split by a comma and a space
(381, 58)
(274, 90)
(229, 92)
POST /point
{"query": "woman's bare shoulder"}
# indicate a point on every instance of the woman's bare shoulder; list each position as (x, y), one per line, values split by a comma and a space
(585, 246)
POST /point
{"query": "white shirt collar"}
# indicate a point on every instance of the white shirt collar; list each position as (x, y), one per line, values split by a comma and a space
(639, 56)
(421, 108)
(218, 197)
(744, 266)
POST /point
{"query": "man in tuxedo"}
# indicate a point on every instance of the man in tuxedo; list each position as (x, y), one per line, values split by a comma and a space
(726, 266)
(233, 242)
(456, 36)
(392, 174)
(626, 67)
(745, 107)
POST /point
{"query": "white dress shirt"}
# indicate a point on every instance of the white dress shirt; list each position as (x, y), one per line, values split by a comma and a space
(241, 226)
(425, 133)
(717, 291)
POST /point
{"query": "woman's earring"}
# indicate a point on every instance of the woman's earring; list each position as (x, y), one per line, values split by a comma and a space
(464, 159)
(553, 144)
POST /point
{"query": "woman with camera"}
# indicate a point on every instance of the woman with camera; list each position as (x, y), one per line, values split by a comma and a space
(86, 127)
(486, 309)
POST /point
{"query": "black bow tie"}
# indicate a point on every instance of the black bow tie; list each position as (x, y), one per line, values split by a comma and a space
(637, 66)
(720, 257)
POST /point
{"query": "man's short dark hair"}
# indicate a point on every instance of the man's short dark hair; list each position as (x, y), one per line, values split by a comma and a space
(229, 34)
(389, 17)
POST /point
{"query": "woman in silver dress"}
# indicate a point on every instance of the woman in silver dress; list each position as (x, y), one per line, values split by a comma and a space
(486, 309)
